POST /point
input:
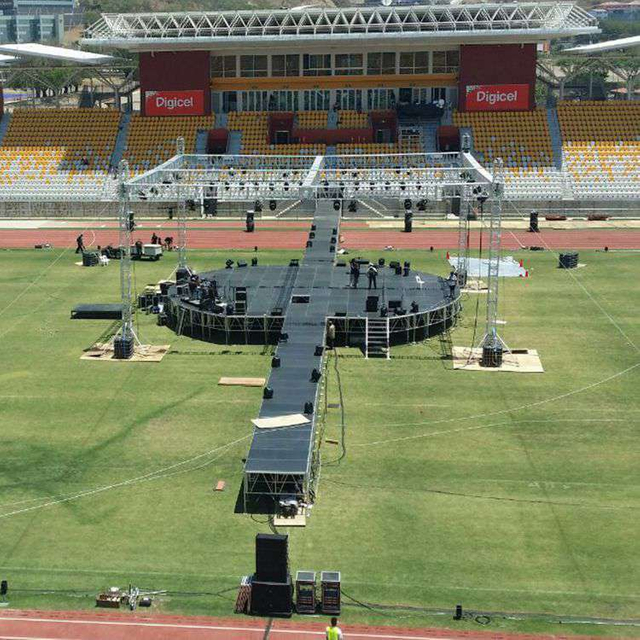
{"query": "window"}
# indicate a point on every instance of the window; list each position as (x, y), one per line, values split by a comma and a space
(253, 66)
(348, 64)
(316, 64)
(223, 66)
(445, 61)
(414, 62)
(381, 63)
(285, 66)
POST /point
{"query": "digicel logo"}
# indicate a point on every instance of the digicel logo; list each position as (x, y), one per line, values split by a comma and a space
(495, 97)
(173, 103)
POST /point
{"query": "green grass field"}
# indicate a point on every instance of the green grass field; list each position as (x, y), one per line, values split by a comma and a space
(503, 492)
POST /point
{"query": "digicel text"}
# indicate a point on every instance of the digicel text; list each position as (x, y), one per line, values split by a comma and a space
(173, 103)
(495, 98)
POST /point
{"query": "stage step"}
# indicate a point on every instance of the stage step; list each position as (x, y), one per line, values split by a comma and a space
(377, 338)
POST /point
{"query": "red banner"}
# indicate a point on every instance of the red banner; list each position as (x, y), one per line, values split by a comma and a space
(174, 103)
(497, 97)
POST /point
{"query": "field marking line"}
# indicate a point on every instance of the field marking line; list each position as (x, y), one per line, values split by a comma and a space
(531, 405)
(152, 475)
(160, 625)
(591, 297)
(34, 638)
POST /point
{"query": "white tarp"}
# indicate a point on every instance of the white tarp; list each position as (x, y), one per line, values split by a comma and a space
(479, 267)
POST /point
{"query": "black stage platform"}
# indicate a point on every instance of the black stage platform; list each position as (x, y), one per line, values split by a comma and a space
(291, 306)
(325, 293)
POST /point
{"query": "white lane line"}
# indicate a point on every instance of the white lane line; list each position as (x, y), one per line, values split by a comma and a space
(33, 638)
(203, 627)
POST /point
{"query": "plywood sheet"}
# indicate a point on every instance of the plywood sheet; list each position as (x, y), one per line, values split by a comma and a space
(523, 361)
(289, 420)
(241, 382)
(103, 352)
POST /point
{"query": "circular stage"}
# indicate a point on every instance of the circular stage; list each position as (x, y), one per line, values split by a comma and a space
(248, 304)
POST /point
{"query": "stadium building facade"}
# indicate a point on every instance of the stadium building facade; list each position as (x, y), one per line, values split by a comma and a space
(474, 57)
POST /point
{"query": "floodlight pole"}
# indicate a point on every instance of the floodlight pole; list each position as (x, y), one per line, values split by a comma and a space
(491, 339)
(125, 228)
(182, 212)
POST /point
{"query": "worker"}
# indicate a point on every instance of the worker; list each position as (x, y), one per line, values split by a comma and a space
(331, 335)
(80, 242)
(372, 274)
(333, 631)
(355, 273)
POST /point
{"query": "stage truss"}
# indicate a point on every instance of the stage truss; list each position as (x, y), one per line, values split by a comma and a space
(434, 176)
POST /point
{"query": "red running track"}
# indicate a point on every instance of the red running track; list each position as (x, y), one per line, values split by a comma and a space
(69, 625)
(353, 239)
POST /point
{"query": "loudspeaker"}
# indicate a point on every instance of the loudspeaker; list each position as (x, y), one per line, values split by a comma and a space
(210, 206)
(533, 222)
(408, 221)
(123, 347)
(272, 557)
(4, 587)
(455, 205)
(372, 304)
(272, 598)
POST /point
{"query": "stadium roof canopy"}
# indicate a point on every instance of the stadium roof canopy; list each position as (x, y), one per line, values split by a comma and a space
(609, 45)
(36, 50)
(425, 25)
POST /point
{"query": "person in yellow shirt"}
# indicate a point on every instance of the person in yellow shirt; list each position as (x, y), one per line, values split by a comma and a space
(333, 631)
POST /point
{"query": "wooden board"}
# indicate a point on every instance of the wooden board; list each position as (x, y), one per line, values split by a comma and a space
(242, 382)
(103, 352)
(523, 361)
(289, 420)
(220, 485)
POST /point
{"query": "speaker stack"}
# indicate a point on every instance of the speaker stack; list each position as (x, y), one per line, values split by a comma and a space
(123, 347)
(568, 260)
(533, 222)
(272, 588)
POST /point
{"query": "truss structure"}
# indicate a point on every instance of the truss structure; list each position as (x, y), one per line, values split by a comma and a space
(125, 228)
(146, 30)
(491, 337)
(432, 176)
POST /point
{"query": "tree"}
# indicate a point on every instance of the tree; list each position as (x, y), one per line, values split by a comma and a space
(628, 70)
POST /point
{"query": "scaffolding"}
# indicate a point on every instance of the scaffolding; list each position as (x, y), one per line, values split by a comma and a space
(492, 344)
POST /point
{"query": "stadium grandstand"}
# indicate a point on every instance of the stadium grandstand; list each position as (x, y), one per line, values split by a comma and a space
(369, 80)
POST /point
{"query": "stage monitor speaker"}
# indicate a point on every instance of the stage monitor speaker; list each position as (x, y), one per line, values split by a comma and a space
(272, 598)
(272, 557)
(372, 304)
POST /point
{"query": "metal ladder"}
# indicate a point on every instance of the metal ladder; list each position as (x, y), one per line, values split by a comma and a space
(377, 338)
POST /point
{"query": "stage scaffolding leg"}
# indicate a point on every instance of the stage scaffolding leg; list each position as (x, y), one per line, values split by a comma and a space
(463, 237)
(181, 209)
(123, 343)
(492, 343)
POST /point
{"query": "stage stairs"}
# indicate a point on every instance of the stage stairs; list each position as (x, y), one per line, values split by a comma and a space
(556, 137)
(202, 138)
(4, 125)
(377, 338)
(121, 139)
(235, 143)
